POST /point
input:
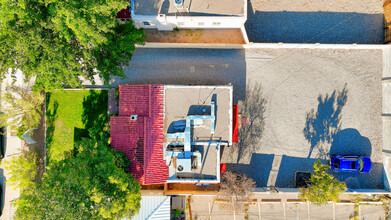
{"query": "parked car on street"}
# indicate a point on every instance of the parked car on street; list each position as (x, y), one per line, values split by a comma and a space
(2, 143)
(351, 164)
(1, 200)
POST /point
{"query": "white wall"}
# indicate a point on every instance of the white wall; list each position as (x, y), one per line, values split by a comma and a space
(188, 22)
(163, 22)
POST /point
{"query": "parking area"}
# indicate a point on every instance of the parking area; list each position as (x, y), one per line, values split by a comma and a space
(307, 104)
(308, 21)
(302, 105)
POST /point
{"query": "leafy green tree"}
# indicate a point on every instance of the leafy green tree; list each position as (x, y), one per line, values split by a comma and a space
(22, 108)
(89, 185)
(322, 186)
(23, 169)
(59, 41)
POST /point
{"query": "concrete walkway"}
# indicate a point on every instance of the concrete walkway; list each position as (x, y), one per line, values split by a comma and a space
(386, 113)
(276, 206)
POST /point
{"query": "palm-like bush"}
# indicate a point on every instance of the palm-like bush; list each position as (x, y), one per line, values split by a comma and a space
(21, 108)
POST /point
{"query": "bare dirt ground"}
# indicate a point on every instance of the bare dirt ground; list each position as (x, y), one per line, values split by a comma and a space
(316, 103)
(309, 21)
(221, 36)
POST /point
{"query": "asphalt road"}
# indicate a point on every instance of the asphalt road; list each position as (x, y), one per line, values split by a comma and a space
(187, 66)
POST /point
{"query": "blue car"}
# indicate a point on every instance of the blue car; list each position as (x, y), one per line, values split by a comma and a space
(351, 164)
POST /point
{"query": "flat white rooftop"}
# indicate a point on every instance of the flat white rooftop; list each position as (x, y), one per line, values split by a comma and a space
(190, 7)
(184, 101)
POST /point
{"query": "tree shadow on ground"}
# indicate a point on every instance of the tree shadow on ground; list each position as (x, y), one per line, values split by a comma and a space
(51, 117)
(252, 111)
(350, 142)
(321, 126)
(94, 115)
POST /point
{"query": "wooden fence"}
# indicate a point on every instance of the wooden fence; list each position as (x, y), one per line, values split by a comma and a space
(387, 20)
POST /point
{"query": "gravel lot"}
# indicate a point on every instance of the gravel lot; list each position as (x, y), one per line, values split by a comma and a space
(303, 103)
(316, 103)
(309, 21)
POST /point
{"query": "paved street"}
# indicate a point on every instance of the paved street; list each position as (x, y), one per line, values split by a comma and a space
(187, 66)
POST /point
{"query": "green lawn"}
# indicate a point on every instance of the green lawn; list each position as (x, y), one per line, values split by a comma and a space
(69, 116)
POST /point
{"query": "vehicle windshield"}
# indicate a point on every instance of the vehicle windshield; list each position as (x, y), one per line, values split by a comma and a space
(337, 163)
(360, 164)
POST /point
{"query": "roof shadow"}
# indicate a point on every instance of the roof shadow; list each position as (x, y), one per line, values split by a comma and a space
(258, 169)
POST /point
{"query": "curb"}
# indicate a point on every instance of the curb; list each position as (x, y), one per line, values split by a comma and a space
(191, 45)
(252, 45)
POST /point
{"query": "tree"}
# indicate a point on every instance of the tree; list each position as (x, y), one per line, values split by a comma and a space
(89, 185)
(322, 187)
(59, 41)
(22, 169)
(236, 191)
(22, 109)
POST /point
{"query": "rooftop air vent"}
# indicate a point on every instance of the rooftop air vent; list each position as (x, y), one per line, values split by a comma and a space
(133, 117)
(183, 165)
(178, 4)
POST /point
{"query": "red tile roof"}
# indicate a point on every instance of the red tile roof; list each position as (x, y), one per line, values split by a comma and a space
(124, 13)
(141, 140)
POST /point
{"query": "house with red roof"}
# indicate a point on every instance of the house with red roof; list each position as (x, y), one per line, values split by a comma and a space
(173, 134)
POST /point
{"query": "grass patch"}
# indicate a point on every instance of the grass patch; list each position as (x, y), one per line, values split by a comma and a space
(69, 116)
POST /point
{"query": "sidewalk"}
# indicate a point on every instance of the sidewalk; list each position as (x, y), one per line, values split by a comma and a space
(285, 207)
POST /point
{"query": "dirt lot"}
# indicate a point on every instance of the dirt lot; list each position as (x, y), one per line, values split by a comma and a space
(313, 103)
(222, 36)
(309, 21)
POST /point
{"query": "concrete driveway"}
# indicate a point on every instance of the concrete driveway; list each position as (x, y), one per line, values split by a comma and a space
(307, 21)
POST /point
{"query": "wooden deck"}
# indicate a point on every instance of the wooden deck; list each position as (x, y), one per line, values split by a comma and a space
(190, 189)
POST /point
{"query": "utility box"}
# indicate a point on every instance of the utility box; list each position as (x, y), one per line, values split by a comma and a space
(183, 165)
